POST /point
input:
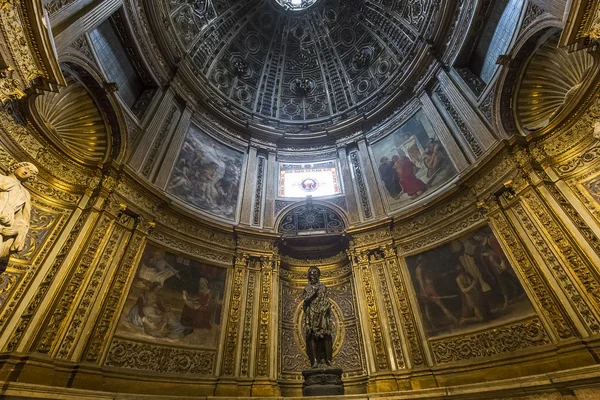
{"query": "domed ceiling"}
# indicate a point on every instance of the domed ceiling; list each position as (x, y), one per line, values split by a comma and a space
(303, 65)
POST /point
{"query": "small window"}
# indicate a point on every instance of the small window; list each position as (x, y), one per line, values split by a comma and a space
(122, 64)
(496, 38)
(313, 179)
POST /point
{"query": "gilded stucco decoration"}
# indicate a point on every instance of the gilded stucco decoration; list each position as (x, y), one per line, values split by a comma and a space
(72, 118)
(552, 81)
(178, 282)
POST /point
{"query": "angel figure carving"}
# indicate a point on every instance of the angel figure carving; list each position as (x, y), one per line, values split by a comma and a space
(15, 209)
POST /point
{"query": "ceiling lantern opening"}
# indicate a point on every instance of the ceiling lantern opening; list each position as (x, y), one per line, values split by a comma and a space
(296, 5)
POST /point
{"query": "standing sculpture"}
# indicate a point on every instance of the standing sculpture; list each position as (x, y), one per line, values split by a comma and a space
(321, 379)
(317, 320)
(15, 210)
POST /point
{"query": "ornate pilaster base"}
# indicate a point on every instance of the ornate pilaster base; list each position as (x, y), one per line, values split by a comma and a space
(322, 382)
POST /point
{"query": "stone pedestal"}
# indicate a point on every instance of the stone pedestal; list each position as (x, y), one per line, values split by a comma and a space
(322, 382)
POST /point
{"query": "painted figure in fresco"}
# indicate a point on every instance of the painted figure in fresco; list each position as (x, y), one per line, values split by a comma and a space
(155, 270)
(466, 257)
(474, 306)
(317, 320)
(206, 180)
(198, 309)
(183, 176)
(227, 185)
(152, 314)
(428, 292)
(409, 182)
(15, 210)
(435, 158)
(489, 255)
(413, 149)
(388, 175)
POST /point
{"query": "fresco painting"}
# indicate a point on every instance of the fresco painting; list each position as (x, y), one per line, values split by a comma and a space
(467, 284)
(207, 175)
(174, 300)
(411, 162)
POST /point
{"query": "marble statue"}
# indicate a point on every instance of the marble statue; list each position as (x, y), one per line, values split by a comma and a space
(15, 209)
(317, 320)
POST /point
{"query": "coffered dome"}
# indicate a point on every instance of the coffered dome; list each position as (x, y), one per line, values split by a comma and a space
(303, 66)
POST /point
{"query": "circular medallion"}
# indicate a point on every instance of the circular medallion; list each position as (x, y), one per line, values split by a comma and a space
(296, 5)
(309, 185)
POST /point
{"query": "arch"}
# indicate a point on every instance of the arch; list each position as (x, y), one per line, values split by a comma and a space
(311, 218)
(69, 132)
(511, 78)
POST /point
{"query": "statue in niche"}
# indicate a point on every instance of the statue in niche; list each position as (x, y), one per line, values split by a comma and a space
(321, 379)
(15, 209)
(317, 321)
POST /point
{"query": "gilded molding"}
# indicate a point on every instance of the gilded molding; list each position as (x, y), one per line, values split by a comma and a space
(559, 273)
(110, 310)
(579, 267)
(372, 312)
(266, 290)
(406, 313)
(83, 308)
(39, 249)
(248, 318)
(391, 317)
(232, 331)
(533, 278)
(44, 286)
(78, 277)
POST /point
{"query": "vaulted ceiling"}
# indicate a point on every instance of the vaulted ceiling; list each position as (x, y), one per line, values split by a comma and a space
(308, 70)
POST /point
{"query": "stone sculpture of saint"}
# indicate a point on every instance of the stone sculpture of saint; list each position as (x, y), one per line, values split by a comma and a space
(15, 210)
(317, 321)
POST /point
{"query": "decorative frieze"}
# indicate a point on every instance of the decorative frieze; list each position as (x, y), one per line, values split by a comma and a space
(570, 255)
(146, 357)
(44, 286)
(460, 124)
(83, 309)
(258, 192)
(361, 186)
(509, 338)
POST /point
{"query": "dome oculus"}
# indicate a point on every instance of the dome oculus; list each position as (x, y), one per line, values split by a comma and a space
(296, 5)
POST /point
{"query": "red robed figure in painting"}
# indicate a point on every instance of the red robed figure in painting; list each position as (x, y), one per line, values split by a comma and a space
(198, 308)
(405, 169)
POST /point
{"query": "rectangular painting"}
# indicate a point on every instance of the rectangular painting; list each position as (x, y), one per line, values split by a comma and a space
(467, 284)
(411, 162)
(207, 175)
(174, 300)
